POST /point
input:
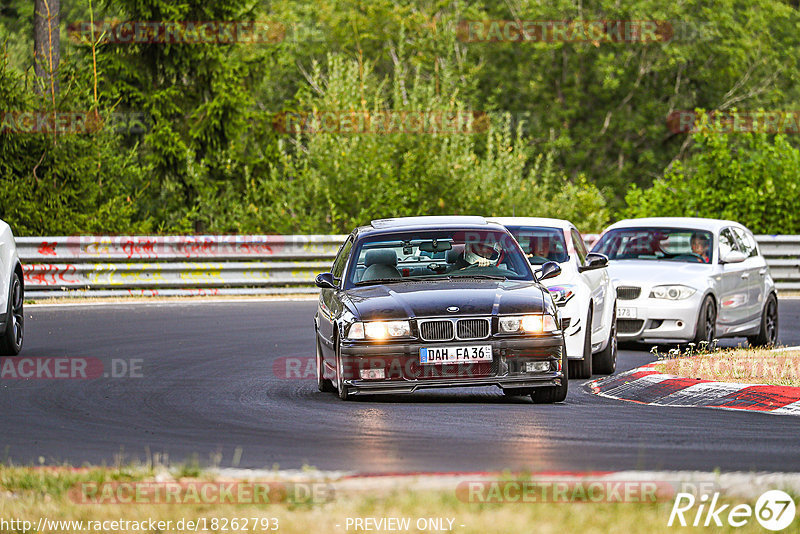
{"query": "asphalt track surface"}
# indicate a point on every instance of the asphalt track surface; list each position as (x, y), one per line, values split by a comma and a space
(208, 388)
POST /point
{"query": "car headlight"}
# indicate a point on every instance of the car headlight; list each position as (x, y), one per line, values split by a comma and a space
(379, 330)
(562, 294)
(528, 324)
(675, 292)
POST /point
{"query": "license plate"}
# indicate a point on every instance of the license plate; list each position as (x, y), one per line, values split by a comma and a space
(455, 354)
(626, 313)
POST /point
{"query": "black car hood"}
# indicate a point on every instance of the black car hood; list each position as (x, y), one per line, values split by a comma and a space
(432, 298)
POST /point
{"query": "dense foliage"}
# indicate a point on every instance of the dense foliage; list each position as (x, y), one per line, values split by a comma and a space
(569, 129)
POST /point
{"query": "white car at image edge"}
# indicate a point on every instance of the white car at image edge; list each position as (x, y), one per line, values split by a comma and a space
(12, 318)
(583, 291)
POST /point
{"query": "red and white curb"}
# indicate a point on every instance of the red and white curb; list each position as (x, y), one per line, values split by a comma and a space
(646, 385)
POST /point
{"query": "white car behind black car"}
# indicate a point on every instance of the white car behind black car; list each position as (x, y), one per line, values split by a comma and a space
(12, 319)
(689, 279)
(583, 291)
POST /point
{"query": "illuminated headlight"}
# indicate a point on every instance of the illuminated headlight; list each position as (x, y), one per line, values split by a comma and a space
(379, 330)
(672, 292)
(561, 294)
(528, 324)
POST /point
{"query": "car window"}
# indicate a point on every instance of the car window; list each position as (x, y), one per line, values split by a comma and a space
(541, 244)
(580, 248)
(448, 255)
(747, 242)
(727, 242)
(671, 244)
(341, 258)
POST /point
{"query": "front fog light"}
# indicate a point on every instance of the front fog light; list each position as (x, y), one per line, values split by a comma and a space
(537, 367)
(372, 374)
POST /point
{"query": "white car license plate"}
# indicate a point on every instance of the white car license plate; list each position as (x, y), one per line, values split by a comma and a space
(455, 354)
(626, 313)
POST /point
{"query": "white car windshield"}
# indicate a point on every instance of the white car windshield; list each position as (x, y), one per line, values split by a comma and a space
(541, 243)
(672, 244)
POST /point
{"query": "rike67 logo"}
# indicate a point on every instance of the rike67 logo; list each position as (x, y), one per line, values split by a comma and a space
(774, 510)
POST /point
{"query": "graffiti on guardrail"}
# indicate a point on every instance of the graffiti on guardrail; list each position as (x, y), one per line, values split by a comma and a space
(175, 247)
(49, 274)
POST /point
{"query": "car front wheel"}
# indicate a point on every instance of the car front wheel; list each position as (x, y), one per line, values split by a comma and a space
(707, 323)
(11, 338)
(605, 361)
(583, 368)
(323, 384)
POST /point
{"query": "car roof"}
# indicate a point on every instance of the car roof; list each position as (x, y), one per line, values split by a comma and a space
(691, 223)
(431, 222)
(533, 221)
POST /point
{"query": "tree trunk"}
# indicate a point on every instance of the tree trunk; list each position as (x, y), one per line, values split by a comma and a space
(46, 50)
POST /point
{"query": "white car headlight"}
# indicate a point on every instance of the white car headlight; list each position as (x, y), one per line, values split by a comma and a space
(527, 324)
(562, 294)
(674, 292)
(379, 330)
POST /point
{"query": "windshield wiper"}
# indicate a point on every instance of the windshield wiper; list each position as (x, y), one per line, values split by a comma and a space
(479, 276)
(381, 281)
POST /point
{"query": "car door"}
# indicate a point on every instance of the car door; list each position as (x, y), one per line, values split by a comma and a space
(734, 284)
(756, 270)
(596, 279)
(329, 304)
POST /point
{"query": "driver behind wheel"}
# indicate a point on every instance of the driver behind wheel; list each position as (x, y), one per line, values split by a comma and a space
(479, 255)
(700, 246)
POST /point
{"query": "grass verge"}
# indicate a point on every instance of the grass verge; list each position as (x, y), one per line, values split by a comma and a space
(30, 494)
(742, 365)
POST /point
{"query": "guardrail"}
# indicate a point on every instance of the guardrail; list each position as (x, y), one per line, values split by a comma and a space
(111, 266)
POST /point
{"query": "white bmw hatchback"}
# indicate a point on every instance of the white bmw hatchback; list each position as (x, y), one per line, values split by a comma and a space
(583, 291)
(12, 318)
(689, 279)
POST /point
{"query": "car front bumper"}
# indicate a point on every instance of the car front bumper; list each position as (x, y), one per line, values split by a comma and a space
(659, 319)
(404, 374)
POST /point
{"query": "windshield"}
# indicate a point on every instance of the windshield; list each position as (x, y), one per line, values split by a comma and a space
(541, 244)
(674, 244)
(441, 255)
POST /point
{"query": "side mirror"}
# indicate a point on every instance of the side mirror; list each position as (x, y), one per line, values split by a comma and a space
(549, 270)
(594, 260)
(733, 256)
(325, 281)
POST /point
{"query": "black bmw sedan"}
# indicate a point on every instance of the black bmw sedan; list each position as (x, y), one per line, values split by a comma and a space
(432, 302)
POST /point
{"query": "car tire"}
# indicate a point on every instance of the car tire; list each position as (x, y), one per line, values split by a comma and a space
(583, 368)
(706, 323)
(768, 332)
(323, 384)
(341, 388)
(553, 394)
(605, 361)
(14, 333)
